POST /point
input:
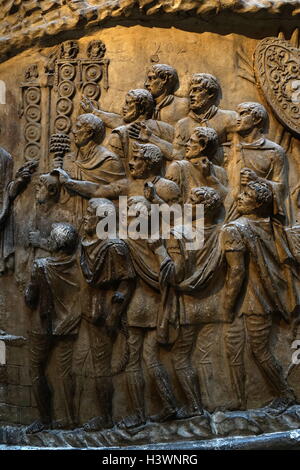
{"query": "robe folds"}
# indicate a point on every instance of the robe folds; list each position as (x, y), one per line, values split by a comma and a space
(55, 290)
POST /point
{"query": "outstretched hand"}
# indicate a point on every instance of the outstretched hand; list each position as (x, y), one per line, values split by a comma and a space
(139, 131)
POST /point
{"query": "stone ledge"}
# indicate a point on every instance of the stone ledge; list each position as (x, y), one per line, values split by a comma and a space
(221, 425)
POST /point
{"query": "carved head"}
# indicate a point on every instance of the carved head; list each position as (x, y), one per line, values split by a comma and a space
(209, 197)
(63, 237)
(161, 78)
(138, 103)
(138, 208)
(88, 127)
(146, 160)
(96, 49)
(48, 189)
(202, 143)
(98, 209)
(251, 116)
(69, 50)
(204, 92)
(256, 198)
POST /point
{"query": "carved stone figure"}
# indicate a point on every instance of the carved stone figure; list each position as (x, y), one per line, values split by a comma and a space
(137, 112)
(256, 290)
(53, 295)
(109, 277)
(145, 168)
(252, 157)
(96, 171)
(9, 189)
(142, 316)
(198, 169)
(191, 282)
(162, 81)
(204, 95)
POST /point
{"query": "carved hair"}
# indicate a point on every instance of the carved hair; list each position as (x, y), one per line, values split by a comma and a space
(139, 202)
(207, 196)
(209, 82)
(144, 99)
(263, 192)
(98, 202)
(257, 110)
(94, 123)
(152, 155)
(209, 139)
(166, 72)
(65, 237)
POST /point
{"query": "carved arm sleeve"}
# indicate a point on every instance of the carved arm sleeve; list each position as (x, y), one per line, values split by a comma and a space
(111, 120)
(32, 290)
(179, 142)
(234, 255)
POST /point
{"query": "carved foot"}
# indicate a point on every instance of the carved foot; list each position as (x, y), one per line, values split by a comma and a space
(36, 426)
(279, 405)
(97, 424)
(165, 415)
(61, 424)
(132, 421)
(189, 412)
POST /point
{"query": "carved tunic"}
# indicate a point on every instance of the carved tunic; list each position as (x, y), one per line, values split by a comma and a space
(121, 144)
(267, 286)
(222, 121)
(268, 160)
(7, 231)
(54, 291)
(98, 165)
(171, 109)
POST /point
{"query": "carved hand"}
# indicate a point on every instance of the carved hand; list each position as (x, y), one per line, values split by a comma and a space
(149, 191)
(139, 131)
(63, 176)
(158, 248)
(87, 105)
(34, 238)
(205, 166)
(118, 298)
(247, 176)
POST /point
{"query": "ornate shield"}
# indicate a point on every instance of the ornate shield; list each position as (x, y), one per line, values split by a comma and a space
(277, 72)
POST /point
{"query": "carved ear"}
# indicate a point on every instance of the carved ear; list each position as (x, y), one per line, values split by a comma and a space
(256, 118)
(202, 143)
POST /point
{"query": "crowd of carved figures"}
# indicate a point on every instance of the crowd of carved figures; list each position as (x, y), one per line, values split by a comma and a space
(84, 292)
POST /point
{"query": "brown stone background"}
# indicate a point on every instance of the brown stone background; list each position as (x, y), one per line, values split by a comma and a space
(130, 50)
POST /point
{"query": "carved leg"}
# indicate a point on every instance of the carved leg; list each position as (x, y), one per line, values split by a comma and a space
(204, 345)
(234, 344)
(105, 393)
(63, 389)
(135, 379)
(135, 387)
(160, 378)
(39, 352)
(259, 329)
(182, 352)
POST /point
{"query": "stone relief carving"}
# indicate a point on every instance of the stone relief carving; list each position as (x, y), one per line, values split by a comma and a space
(152, 304)
(276, 65)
